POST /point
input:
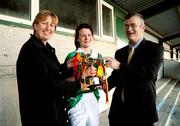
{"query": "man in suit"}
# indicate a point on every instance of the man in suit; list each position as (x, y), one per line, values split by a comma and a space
(134, 99)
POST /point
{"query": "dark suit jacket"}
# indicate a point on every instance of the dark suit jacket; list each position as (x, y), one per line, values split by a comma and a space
(41, 86)
(138, 81)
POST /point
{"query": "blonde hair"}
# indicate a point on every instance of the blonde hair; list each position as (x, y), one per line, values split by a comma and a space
(42, 15)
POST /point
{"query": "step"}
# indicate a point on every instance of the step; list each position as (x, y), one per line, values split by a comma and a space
(160, 84)
(174, 116)
(164, 93)
(166, 104)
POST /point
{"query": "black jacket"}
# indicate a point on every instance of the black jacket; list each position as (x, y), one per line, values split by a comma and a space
(41, 86)
(137, 79)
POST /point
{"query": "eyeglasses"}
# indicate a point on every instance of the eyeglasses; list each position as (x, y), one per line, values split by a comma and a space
(133, 26)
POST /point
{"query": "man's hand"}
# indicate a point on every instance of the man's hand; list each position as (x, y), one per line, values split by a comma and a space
(111, 62)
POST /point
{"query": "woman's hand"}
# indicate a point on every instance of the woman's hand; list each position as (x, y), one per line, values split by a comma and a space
(69, 63)
(84, 87)
(90, 71)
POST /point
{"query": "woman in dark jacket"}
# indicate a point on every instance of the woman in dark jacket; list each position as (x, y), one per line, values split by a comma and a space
(40, 77)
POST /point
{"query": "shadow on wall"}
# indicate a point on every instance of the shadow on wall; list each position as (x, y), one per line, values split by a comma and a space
(172, 69)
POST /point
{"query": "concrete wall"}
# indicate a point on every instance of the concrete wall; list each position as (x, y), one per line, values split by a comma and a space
(172, 69)
(9, 103)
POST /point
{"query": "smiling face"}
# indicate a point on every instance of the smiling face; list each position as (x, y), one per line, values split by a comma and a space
(134, 28)
(44, 29)
(85, 38)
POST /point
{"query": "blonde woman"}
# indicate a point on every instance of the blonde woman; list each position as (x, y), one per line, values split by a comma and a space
(40, 77)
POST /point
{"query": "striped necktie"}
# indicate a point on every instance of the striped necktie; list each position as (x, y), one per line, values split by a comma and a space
(131, 54)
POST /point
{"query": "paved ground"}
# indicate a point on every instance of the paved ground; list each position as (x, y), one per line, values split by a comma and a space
(104, 118)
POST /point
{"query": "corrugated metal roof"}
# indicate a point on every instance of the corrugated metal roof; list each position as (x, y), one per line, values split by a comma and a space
(136, 5)
(162, 16)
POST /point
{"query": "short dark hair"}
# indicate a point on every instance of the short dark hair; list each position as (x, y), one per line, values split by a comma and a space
(132, 14)
(79, 27)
